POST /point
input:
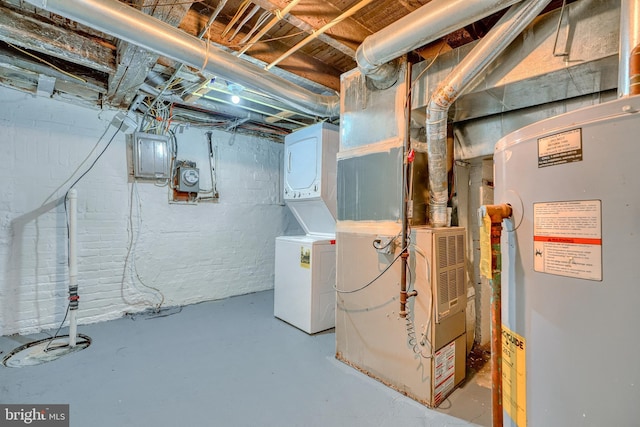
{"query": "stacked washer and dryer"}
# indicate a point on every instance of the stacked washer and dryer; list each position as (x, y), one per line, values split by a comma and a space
(305, 270)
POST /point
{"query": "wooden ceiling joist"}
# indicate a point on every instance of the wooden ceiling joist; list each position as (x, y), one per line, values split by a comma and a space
(134, 62)
(36, 35)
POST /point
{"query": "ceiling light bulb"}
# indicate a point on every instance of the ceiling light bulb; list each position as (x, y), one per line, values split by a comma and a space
(235, 99)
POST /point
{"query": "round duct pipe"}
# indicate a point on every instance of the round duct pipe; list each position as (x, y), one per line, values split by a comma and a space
(428, 23)
(136, 27)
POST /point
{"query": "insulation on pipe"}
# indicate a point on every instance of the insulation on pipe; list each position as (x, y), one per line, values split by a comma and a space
(136, 27)
(428, 23)
(473, 65)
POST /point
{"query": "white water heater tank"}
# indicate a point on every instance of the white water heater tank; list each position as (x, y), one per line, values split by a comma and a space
(570, 288)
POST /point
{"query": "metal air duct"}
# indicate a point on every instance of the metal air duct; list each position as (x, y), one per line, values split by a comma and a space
(428, 23)
(489, 47)
(129, 24)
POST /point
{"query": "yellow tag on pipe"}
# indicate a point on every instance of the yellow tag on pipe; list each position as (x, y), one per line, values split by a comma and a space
(485, 247)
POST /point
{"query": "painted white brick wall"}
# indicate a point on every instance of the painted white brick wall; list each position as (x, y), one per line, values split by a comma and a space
(189, 253)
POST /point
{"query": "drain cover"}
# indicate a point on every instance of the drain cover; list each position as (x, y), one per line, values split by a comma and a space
(42, 351)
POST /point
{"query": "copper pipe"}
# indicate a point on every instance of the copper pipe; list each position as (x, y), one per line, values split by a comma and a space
(497, 213)
(406, 173)
(634, 71)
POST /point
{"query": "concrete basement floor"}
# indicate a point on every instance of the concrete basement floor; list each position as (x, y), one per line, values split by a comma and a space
(223, 363)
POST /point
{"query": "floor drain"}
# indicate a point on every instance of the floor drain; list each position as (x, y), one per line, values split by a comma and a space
(43, 351)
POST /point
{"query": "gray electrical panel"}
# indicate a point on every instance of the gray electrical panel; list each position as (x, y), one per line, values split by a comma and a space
(150, 156)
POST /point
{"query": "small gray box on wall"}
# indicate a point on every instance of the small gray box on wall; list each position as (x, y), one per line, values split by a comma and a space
(188, 179)
(150, 156)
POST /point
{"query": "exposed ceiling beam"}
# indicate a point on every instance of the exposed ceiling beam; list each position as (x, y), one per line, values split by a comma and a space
(411, 5)
(326, 27)
(335, 38)
(21, 63)
(300, 63)
(134, 62)
(26, 79)
(39, 36)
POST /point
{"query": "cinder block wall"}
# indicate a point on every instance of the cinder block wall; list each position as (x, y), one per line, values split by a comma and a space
(189, 253)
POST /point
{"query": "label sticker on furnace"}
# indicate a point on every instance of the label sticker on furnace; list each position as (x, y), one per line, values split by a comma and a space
(444, 372)
(567, 238)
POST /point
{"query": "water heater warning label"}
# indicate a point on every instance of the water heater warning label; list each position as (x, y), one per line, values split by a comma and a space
(567, 238)
(565, 147)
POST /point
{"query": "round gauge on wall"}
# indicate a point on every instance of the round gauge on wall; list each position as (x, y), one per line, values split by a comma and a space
(190, 177)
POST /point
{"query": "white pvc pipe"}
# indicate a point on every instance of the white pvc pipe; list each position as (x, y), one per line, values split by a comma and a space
(73, 265)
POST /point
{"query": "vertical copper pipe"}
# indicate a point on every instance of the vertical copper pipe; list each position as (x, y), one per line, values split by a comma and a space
(496, 325)
(629, 42)
(497, 213)
(406, 170)
(634, 71)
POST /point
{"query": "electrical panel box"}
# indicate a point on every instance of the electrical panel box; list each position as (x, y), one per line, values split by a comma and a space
(150, 156)
(188, 179)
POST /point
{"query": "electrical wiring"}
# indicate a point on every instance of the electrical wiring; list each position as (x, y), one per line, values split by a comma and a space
(422, 73)
(376, 243)
(169, 4)
(160, 114)
(411, 336)
(66, 197)
(95, 161)
(424, 339)
(66, 73)
(129, 261)
(262, 19)
(79, 166)
(341, 291)
(66, 313)
(213, 158)
(133, 255)
(273, 39)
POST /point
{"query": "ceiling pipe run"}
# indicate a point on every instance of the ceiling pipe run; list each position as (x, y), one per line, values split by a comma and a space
(460, 79)
(432, 21)
(629, 63)
(226, 110)
(129, 24)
